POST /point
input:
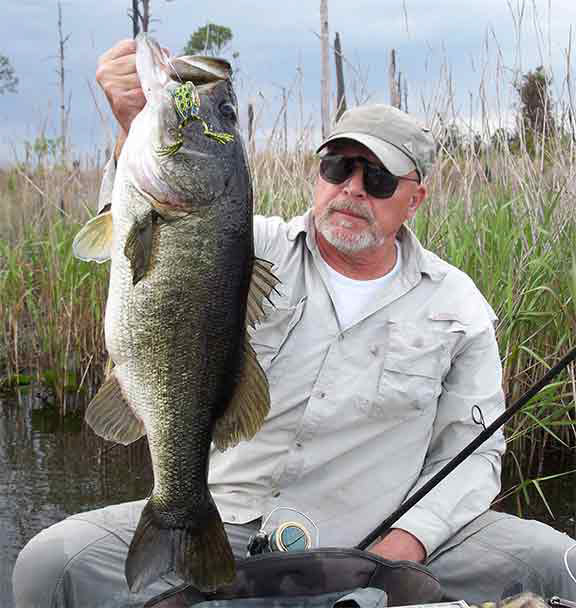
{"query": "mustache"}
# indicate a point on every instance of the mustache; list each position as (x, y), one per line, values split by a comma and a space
(354, 207)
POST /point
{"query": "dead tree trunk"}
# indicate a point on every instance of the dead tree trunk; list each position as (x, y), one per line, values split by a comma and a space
(405, 106)
(340, 89)
(140, 18)
(135, 18)
(145, 15)
(251, 130)
(285, 119)
(325, 79)
(61, 77)
(392, 81)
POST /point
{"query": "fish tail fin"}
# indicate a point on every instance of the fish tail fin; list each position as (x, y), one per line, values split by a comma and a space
(204, 556)
(198, 551)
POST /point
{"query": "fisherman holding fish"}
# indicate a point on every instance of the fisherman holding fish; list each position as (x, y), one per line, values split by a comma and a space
(375, 351)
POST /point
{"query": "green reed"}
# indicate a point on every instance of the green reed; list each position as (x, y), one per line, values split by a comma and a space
(51, 305)
(525, 269)
(514, 234)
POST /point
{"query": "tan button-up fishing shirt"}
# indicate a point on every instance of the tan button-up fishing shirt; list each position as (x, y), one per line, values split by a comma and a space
(364, 415)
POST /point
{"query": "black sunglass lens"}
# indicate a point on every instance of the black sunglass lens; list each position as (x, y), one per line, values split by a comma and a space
(336, 169)
(379, 182)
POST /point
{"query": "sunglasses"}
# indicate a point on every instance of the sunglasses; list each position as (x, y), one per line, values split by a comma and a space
(378, 181)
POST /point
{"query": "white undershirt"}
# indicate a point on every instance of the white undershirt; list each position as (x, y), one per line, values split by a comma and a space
(352, 295)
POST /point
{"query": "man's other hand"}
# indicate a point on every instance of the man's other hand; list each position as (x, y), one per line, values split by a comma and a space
(399, 544)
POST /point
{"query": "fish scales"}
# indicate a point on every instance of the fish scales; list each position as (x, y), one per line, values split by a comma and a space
(184, 285)
(197, 366)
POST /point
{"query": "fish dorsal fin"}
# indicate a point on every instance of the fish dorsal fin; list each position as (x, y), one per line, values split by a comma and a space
(248, 407)
(111, 417)
(262, 284)
(94, 242)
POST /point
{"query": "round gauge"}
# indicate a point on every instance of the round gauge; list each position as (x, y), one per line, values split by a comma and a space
(290, 536)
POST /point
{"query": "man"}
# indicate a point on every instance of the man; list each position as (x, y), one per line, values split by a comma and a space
(376, 353)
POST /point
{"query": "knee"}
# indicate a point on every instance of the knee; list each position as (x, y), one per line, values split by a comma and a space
(37, 571)
(553, 557)
(41, 565)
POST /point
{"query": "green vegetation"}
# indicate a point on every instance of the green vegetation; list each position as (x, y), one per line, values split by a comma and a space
(51, 305)
(500, 208)
(210, 39)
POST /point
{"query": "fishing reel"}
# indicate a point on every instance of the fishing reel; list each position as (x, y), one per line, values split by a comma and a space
(279, 534)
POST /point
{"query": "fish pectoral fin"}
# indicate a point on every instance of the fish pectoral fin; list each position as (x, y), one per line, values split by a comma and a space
(248, 407)
(262, 284)
(94, 242)
(111, 417)
(138, 245)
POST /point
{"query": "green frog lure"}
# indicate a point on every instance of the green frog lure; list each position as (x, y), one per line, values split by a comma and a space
(187, 103)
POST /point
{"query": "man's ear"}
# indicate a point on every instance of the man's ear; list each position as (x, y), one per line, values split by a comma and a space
(417, 199)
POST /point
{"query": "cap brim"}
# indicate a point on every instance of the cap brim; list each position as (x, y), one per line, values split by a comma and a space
(390, 156)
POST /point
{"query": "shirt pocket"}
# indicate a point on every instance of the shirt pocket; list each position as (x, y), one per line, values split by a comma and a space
(411, 374)
(271, 334)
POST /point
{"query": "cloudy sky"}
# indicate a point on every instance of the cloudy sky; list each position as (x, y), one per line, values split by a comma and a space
(469, 50)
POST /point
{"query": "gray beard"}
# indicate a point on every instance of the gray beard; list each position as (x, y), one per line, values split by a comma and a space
(342, 240)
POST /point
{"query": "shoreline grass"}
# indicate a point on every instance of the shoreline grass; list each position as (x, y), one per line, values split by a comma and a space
(502, 211)
(518, 248)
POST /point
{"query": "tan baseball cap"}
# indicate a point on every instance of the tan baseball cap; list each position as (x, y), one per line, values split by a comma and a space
(400, 142)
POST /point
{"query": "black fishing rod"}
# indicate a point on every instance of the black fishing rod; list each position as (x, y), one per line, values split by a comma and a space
(469, 449)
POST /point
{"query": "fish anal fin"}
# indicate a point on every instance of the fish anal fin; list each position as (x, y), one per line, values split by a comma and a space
(94, 241)
(138, 246)
(111, 417)
(262, 284)
(248, 407)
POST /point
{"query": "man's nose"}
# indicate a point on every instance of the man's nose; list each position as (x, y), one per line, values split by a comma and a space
(354, 185)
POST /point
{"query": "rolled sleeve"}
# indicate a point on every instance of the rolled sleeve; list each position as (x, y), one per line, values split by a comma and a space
(474, 379)
(268, 232)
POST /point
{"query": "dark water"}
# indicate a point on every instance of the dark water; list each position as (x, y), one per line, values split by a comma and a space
(51, 467)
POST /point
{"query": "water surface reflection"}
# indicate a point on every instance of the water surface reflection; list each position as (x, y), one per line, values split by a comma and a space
(52, 467)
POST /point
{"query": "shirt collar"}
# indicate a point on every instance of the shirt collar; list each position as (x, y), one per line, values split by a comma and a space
(299, 224)
(416, 259)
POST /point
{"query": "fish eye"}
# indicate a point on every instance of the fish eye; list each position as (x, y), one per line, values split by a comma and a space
(228, 110)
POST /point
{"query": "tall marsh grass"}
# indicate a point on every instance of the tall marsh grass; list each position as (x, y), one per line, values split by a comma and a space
(514, 235)
(51, 305)
(503, 214)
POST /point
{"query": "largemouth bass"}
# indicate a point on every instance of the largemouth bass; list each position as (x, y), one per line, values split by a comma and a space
(183, 286)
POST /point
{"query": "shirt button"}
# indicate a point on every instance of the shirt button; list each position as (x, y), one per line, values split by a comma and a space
(321, 395)
(298, 444)
(276, 494)
(232, 517)
(374, 350)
